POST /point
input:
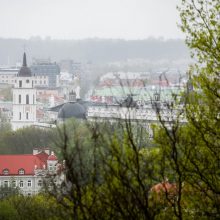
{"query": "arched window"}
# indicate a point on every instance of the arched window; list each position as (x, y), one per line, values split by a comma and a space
(27, 99)
(27, 115)
(5, 172)
(21, 171)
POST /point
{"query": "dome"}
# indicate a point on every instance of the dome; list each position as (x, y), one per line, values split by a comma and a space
(72, 110)
(24, 71)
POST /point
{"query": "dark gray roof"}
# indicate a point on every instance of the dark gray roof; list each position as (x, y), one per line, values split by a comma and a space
(24, 71)
(72, 110)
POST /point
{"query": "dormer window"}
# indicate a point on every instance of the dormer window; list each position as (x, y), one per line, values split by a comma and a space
(5, 172)
(21, 172)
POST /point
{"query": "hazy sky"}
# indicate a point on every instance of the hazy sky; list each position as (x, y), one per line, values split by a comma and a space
(77, 19)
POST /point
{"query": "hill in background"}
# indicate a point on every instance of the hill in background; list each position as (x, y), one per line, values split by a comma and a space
(97, 51)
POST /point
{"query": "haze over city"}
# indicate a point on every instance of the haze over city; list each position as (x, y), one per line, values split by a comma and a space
(79, 19)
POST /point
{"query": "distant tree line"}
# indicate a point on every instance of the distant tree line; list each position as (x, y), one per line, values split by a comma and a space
(94, 50)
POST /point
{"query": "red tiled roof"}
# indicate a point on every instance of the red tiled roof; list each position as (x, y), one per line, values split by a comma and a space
(164, 187)
(52, 157)
(24, 161)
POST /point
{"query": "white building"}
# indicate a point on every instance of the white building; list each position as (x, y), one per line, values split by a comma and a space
(9, 76)
(24, 98)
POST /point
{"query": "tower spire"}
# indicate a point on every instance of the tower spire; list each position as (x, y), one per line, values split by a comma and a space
(24, 60)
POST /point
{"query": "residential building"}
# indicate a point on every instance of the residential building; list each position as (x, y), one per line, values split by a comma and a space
(8, 76)
(28, 171)
(42, 68)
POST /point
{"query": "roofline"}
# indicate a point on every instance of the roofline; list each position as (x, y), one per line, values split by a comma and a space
(31, 174)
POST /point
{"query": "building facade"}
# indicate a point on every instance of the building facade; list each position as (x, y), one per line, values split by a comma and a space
(9, 76)
(45, 68)
(27, 171)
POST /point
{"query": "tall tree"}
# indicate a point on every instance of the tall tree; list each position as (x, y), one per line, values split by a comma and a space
(192, 151)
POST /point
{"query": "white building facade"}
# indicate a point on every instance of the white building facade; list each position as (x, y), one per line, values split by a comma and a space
(9, 76)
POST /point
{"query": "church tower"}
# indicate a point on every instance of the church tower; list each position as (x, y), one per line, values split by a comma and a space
(24, 98)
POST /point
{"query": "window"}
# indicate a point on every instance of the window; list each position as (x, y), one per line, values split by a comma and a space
(27, 99)
(6, 183)
(5, 171)
(50, 167)
(33, 99)
(29, 183)
(20, 83)
(40, 183)
(21, 183)
(13, 184)
(19, 115)
(27, 81)
(21, 172)
(27, 115)
(19, 98)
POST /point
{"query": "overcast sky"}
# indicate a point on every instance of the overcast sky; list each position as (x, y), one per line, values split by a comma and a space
(77, 19)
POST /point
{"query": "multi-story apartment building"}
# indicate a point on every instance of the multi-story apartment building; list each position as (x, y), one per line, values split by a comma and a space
(41, 68)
